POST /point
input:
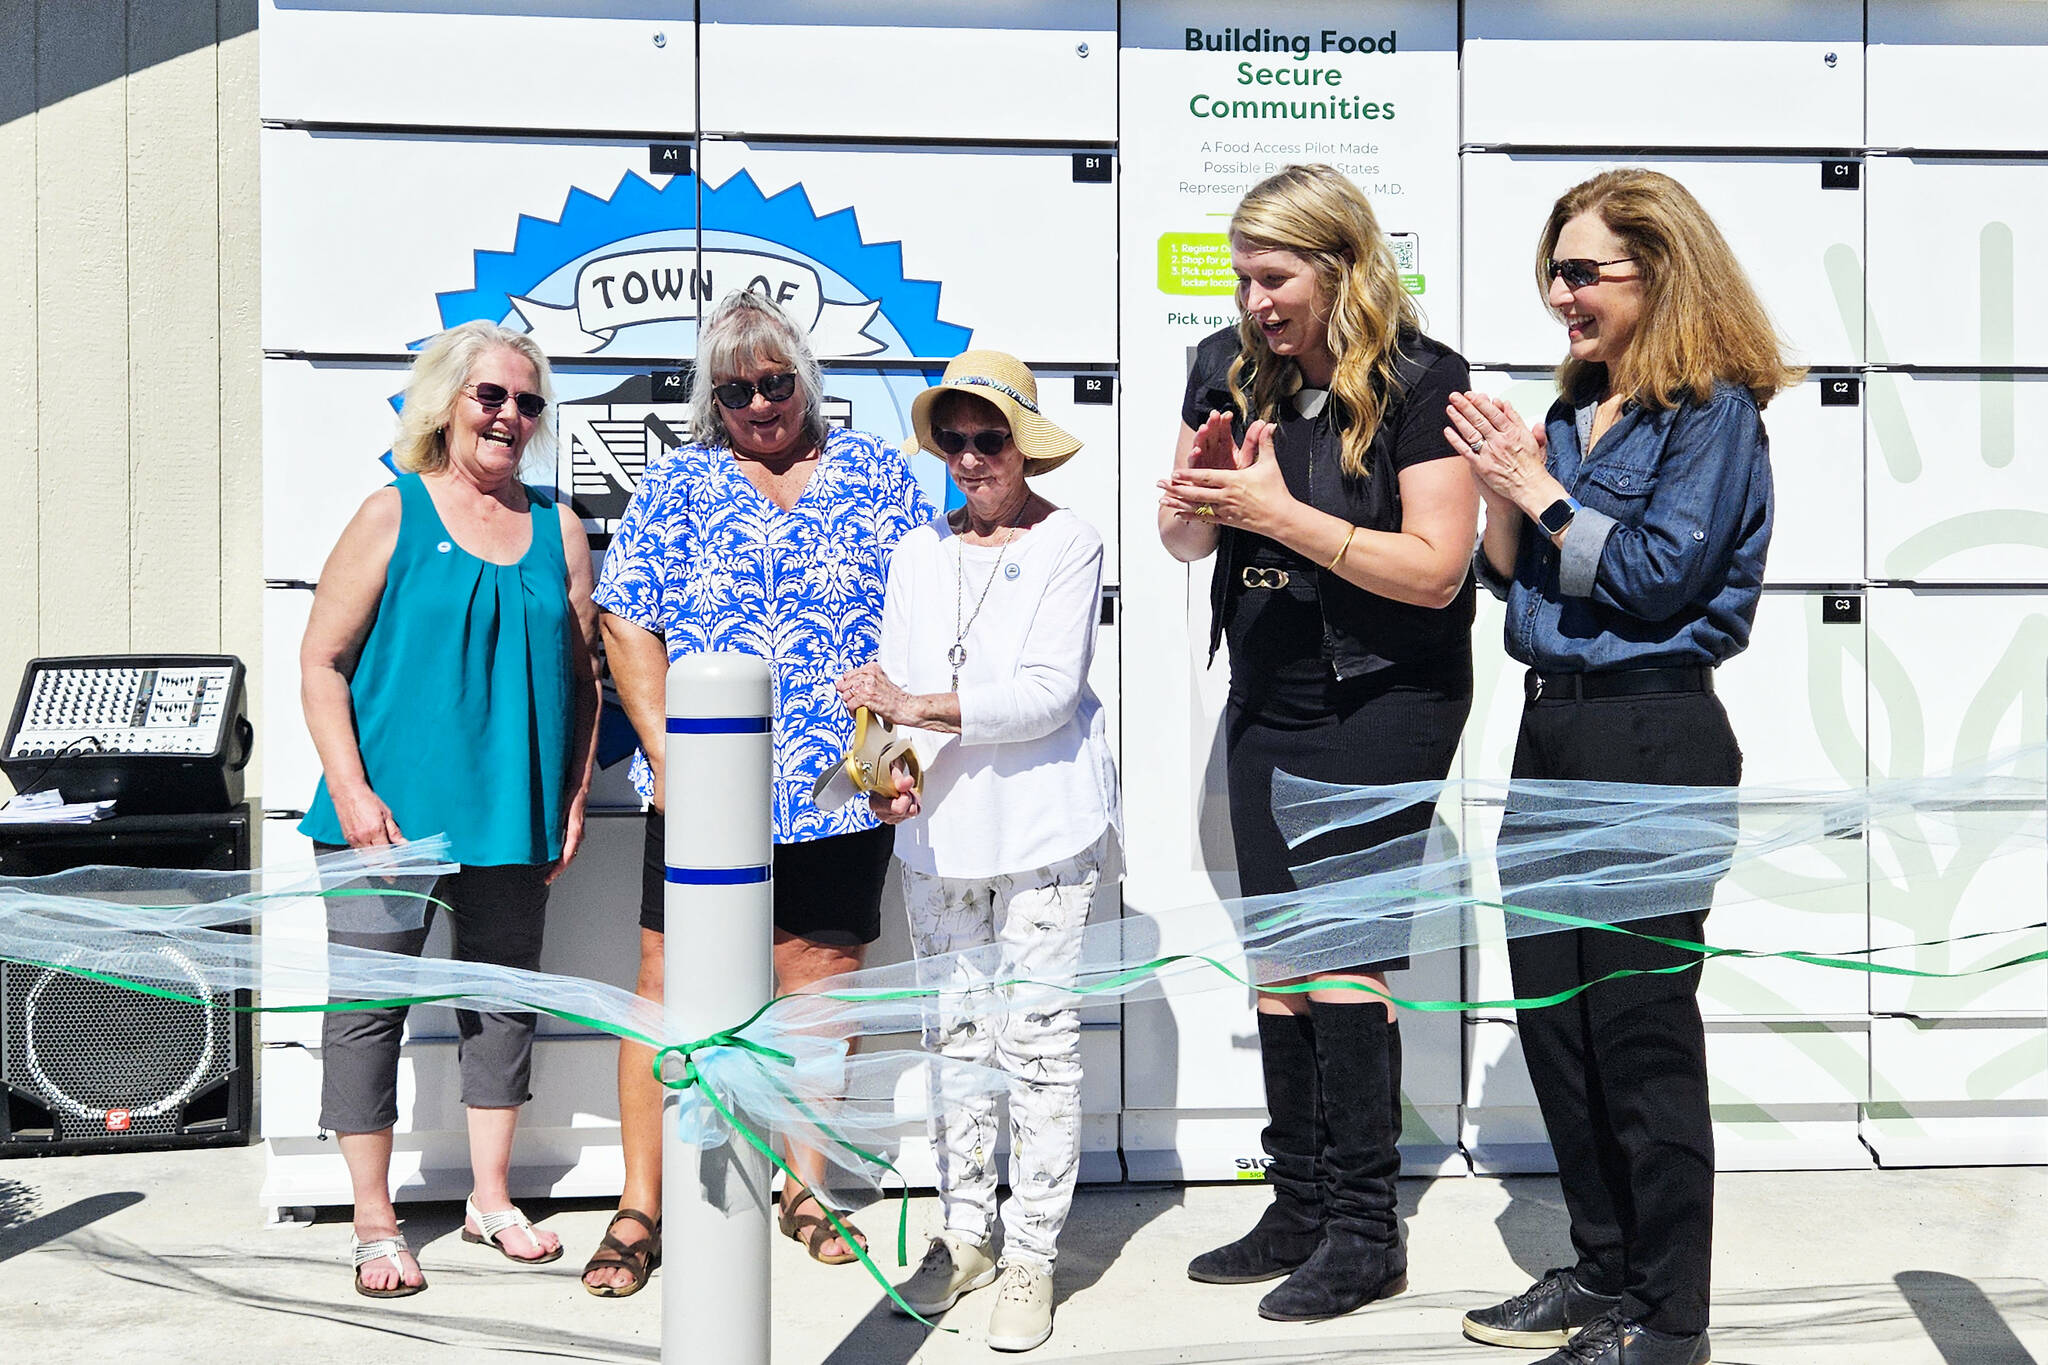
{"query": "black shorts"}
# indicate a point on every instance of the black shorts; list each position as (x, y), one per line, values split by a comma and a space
(828, 890)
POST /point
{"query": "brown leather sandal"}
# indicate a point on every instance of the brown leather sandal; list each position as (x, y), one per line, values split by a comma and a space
(813, 1230)
(638, 1259)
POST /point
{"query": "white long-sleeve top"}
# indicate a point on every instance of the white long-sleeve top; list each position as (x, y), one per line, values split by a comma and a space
(1030, 779)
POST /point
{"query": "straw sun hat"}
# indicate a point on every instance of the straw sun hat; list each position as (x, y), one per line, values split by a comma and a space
(1008, 384)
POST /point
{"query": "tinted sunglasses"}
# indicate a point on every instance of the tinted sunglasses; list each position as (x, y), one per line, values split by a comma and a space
(738, 393)
(1578, 272)
(491, 397)
(988, 442)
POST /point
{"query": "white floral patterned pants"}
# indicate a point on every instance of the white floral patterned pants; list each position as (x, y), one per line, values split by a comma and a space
(1035, 920)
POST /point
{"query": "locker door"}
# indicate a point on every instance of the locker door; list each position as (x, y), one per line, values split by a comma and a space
(1038, 71)
(1957, 252)
(1958, 480)
(1957, 678)
(1799, 241)
(902, 277)
(1754, 73)
(1956, 74)
(625, 65)
(373, 242)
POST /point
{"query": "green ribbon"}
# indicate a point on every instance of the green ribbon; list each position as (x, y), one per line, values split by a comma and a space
(691, 1075)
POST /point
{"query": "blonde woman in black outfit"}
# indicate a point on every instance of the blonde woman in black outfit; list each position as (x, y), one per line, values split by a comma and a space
(1311, 467)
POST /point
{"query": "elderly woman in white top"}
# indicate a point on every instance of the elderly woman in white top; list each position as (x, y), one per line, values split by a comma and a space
(987, 631)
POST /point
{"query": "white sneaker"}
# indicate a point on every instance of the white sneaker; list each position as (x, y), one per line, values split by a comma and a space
(1022, 1319)
(952, 1265)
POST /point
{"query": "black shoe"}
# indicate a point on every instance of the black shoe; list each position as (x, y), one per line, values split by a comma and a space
(1291, 1228)
(1361, 1258)
(1544, 1314)
(1346, 1273)
(1616, 1340)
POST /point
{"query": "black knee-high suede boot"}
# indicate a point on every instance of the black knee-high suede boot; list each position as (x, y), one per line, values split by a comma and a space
(1291, 1228)
(1361, 1258)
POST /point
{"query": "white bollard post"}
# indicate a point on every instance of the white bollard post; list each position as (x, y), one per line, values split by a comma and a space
(719, 969)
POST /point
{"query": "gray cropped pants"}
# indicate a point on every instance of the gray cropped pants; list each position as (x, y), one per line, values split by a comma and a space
(498, 914)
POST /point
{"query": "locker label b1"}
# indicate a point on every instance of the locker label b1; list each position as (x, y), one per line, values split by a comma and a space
(1840, 392)
(1091, 168)
(1841, 608)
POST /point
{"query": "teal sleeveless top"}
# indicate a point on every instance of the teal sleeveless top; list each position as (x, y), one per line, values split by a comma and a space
(462, 693)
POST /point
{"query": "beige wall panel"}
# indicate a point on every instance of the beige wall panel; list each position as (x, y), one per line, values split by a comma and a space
(82, 323)
(241, 427)
(18, 604)
(173, 330)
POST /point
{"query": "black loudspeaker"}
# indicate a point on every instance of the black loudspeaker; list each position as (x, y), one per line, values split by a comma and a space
(90, 1067)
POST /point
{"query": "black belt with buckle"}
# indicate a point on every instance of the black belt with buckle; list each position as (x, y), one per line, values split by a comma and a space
(1255, 577)
(1617, 682)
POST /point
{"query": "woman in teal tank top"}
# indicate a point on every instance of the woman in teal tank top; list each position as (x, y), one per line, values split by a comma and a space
(449, 685)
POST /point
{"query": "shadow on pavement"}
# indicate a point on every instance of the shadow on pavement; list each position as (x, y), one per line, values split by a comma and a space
(56, 1224)
(1961, 1321)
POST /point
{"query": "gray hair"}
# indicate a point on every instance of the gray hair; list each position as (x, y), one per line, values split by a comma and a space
(745, 330)
(439, 375)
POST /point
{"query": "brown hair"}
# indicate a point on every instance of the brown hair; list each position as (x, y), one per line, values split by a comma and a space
(1318, 214)
(1701, 318)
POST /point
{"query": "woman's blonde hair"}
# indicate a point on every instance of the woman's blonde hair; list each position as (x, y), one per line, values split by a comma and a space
(1701, 319)
(1318, 214)
(441, 373)
(747, 329)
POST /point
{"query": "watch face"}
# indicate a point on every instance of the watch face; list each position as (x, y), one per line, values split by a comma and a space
(1556, 517)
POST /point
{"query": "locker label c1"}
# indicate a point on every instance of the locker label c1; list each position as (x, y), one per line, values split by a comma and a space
(1841, 175)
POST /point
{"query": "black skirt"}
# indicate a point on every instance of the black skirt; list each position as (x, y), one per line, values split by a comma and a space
(1396, 725)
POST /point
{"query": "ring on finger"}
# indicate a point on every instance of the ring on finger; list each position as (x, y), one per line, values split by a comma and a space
(1478, 443)
(1203, 509)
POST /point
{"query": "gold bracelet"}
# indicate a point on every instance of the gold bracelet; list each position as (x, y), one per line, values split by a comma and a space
(1338, 558)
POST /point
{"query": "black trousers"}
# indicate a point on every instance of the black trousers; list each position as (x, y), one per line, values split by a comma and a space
(1620, 1070)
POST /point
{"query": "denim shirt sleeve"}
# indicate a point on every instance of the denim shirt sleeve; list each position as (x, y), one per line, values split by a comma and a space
(1693, 518)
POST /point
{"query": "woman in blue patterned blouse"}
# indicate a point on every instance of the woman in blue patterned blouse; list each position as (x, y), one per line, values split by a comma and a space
(769, 534)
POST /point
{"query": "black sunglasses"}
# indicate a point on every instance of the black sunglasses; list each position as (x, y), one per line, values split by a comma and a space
(989, 441)
(1578, 272)
(491, 397)
(738, 393)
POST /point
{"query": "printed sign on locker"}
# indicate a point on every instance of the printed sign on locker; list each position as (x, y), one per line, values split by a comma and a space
(1979, 228)
(373, 242)
(1030, 71)
(1958, 482)
(602, 65)
(1798, 237)
(1212, 99)
(925, 251)
(1743, 73)
(1957, 74)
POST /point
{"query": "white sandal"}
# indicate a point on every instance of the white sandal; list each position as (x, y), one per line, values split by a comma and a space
(384, 1248)
(495, 1225)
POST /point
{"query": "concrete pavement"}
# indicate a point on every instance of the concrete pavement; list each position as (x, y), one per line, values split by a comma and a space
(164, 1257)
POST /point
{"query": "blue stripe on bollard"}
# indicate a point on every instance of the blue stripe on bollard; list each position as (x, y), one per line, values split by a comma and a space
(718, 725)
(717, 876)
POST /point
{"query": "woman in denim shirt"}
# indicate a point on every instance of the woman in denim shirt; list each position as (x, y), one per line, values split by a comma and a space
(1628, 537)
